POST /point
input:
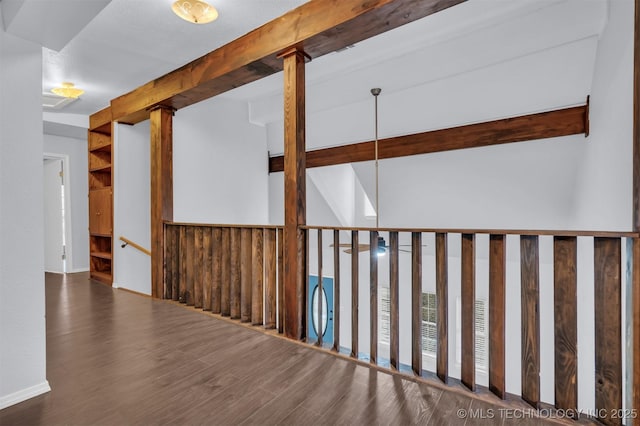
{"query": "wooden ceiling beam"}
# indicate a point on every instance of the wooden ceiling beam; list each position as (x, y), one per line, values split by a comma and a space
(318, 27)
(562, 122)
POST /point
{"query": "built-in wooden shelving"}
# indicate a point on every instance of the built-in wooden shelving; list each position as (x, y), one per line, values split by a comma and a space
(101, 198)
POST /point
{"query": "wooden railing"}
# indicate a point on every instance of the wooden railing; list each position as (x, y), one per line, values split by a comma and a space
(236, 271)
(128, 242)
(606, 267)
(229, 270)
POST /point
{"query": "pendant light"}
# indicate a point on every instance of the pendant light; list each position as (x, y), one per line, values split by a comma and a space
(382, 245)
(67, 90)
(195, 11)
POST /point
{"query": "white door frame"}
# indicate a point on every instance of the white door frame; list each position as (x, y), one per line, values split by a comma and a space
(66, 179)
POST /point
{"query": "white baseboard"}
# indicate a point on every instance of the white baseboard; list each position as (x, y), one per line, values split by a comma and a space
(75, 271)
(115, 285)
(24, 394)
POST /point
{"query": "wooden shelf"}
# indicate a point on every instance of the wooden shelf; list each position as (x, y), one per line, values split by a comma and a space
(101, 254)
(102, 168)
(104, 277)
(101, 197)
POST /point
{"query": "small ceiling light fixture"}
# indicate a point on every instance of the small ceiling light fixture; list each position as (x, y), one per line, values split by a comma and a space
(195, 11)
(68, 90)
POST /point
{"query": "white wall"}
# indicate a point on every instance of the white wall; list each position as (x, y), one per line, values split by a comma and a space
(76, 150)
(220, 166)
(22, 304)
(603, 184)
(132, 210)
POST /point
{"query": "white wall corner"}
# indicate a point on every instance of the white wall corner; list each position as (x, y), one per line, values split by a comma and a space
(24, 394)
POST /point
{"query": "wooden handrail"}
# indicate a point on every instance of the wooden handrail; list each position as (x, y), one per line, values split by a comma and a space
(134, 245)
(559, 232)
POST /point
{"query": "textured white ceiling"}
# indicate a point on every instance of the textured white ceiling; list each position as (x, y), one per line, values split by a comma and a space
(131, 42)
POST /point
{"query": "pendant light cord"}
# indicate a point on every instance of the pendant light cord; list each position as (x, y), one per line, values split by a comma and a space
(375, 92)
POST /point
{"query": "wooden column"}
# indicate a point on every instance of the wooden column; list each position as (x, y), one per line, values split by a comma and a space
(294, 194)
(161, 190)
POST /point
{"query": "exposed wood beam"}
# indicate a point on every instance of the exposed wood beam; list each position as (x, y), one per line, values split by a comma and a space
(161, 191)
(562, 122)
(319, 26)
(294, 195)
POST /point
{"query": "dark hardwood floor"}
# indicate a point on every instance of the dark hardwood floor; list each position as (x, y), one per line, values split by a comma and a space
(117, 358)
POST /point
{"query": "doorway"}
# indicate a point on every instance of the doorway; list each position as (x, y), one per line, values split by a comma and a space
(57, 230)
(326, 323)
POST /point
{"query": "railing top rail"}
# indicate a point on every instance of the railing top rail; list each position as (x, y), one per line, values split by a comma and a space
(219, 225)
(558, 233)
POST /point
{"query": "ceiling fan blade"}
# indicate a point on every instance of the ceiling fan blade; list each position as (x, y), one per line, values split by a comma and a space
(341, 245)
(361, 248)
(409, 245)
(404, 251)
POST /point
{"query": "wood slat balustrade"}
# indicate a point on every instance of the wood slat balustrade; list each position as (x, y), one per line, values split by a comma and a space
(236, 271)
(229, 270)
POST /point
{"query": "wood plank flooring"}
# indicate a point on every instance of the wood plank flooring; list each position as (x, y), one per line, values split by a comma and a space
(117, 358)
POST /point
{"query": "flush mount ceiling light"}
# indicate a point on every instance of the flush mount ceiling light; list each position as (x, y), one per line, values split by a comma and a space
(68, 90)
(195, 11)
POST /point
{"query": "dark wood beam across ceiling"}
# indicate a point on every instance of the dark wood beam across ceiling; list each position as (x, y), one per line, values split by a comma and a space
(318, 27)
(562, 122)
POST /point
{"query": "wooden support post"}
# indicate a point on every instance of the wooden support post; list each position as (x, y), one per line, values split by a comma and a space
(294, 194)
(161, 190)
